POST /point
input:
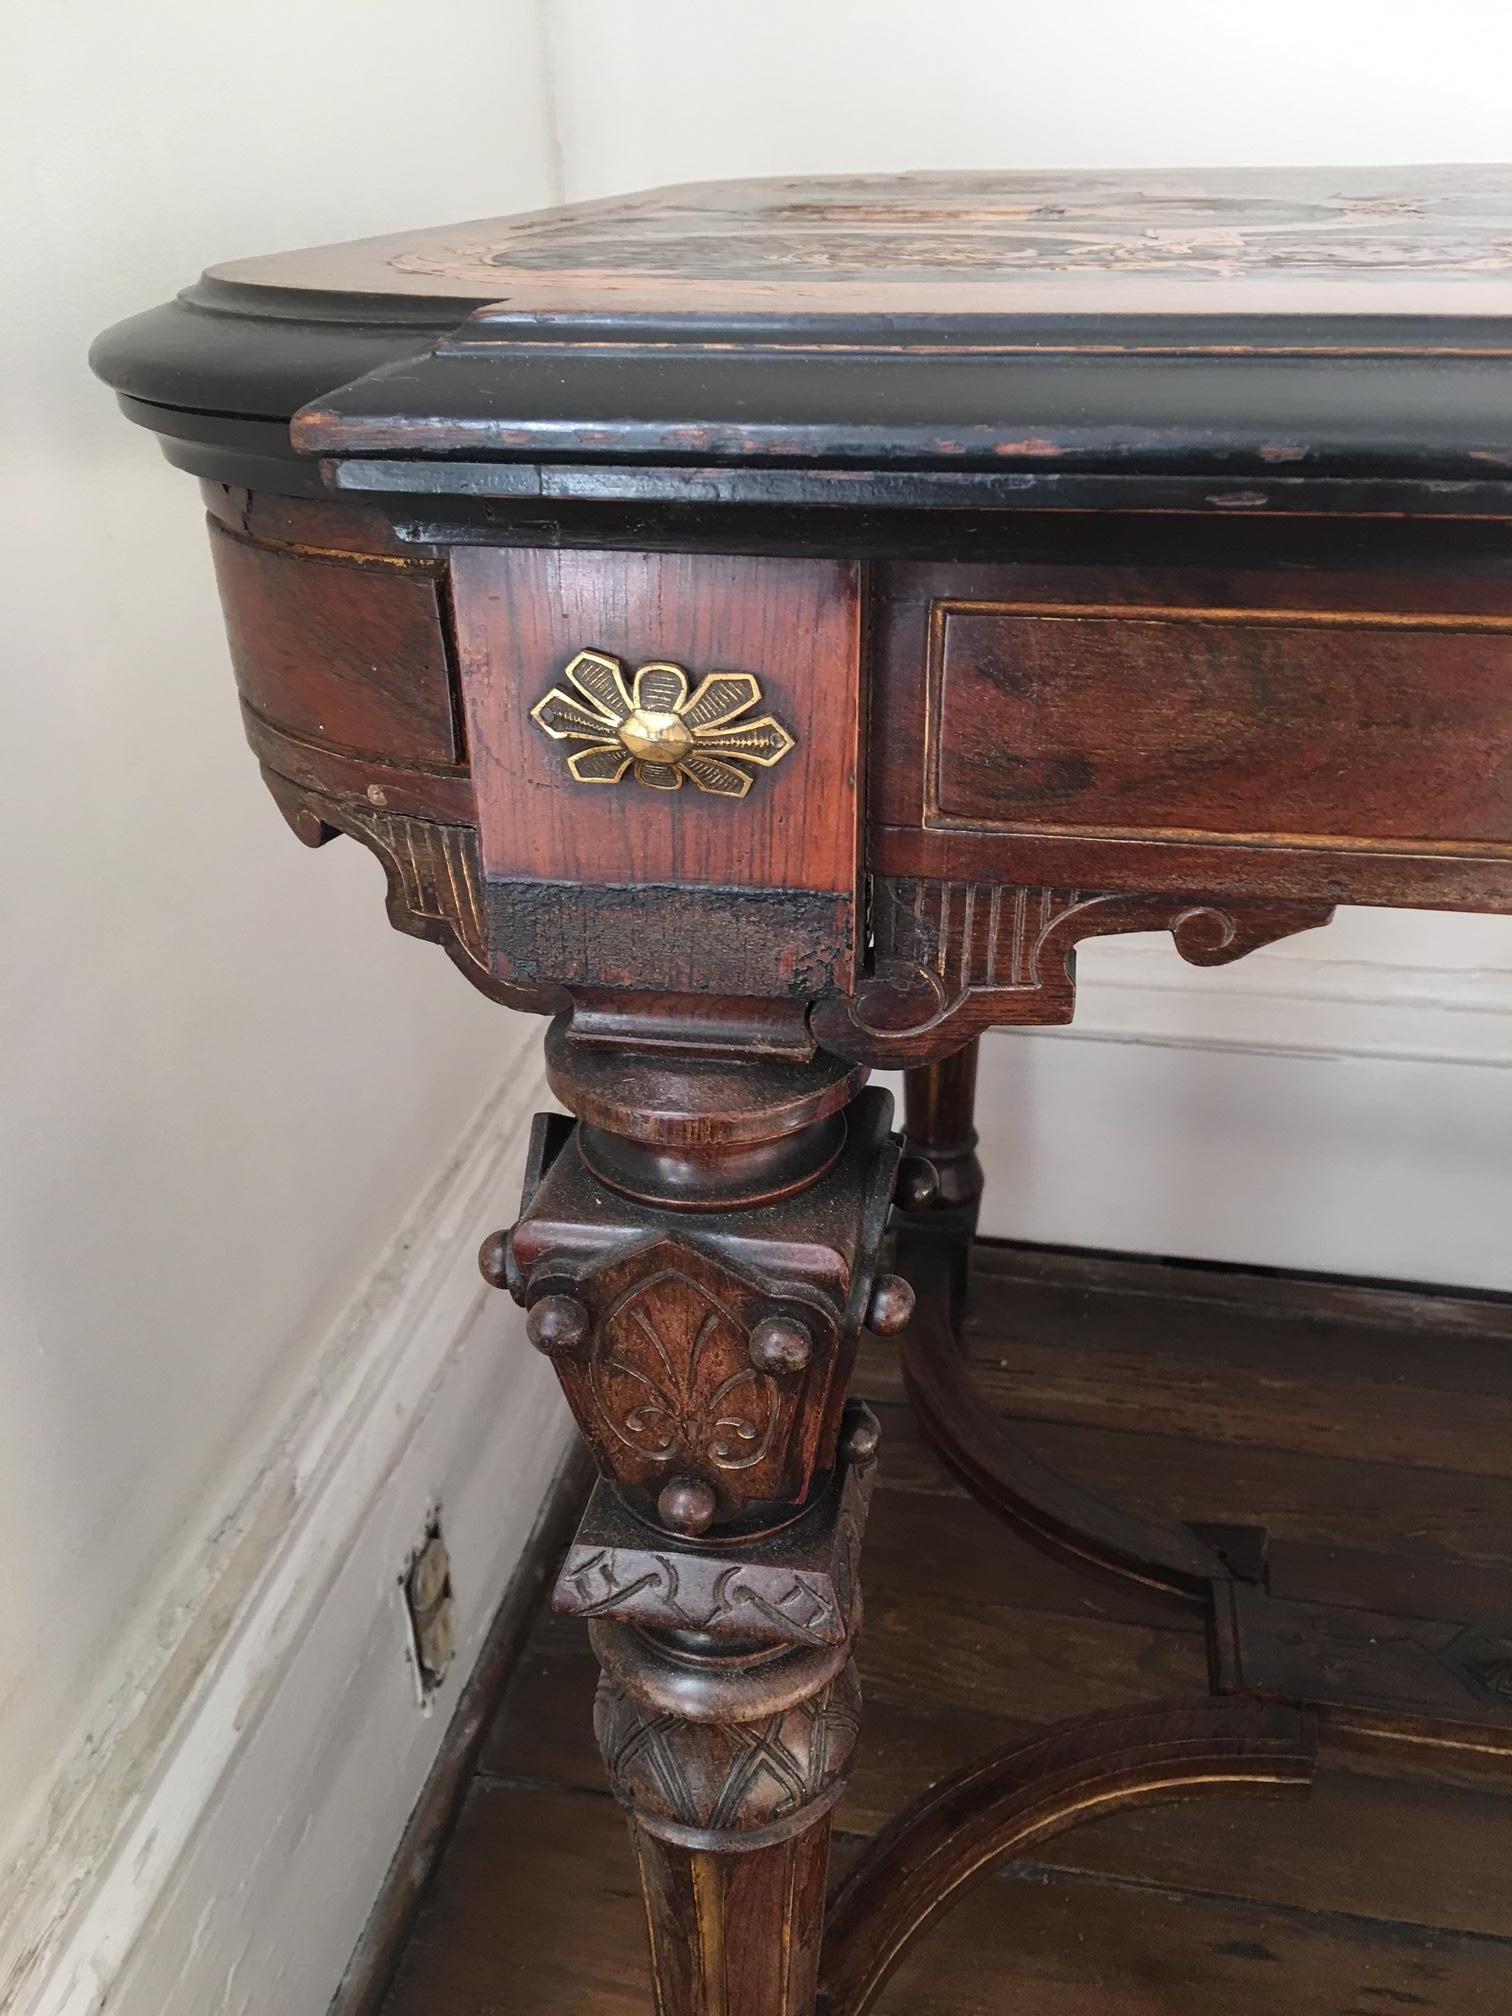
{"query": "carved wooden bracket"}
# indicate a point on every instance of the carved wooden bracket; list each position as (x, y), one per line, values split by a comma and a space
(434, 889)
(950, 959)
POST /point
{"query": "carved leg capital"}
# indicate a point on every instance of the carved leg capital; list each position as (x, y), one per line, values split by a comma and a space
(766, 1760)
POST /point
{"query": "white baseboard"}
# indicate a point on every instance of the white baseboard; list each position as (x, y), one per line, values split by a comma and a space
(1266, 1136)
(1302, 997)
(216, 1845)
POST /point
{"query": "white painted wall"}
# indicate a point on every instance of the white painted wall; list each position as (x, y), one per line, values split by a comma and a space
(224, 1082)
(1289, 1124)
(674, 90)
(223, 1079)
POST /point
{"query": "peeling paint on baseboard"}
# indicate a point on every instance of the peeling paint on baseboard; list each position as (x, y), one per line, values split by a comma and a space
(201, 1683)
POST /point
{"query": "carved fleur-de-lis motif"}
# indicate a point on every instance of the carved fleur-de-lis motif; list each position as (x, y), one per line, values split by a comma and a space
(672, 1376)
(656, 727)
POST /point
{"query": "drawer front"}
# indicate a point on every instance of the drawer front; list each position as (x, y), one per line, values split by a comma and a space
(1266, 724)
(347, 650)
(1268, 729)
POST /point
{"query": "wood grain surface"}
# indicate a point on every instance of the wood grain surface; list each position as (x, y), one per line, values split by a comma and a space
(346, 648)
(582, 869)
(1237, 723)
(1311, 728)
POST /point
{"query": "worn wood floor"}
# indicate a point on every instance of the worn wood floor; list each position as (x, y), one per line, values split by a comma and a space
(1370, 1430)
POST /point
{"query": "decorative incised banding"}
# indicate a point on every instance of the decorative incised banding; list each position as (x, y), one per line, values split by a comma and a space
(797, 1609)
(797, 1586)
(656, 728)
(436, 868)
(735, 1779)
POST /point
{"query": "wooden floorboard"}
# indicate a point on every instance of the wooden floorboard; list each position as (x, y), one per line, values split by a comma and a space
(1384, 1895)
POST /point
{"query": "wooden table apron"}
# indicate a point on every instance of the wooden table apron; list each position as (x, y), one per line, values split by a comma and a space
(761, 696)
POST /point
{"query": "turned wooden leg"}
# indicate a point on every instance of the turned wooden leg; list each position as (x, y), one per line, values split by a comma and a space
(939, 1104)
(735, 1934)
(698, 1255)
(729, 1755)
(934, 1251)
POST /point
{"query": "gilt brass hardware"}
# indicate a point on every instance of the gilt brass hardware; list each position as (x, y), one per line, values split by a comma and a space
(658, 729)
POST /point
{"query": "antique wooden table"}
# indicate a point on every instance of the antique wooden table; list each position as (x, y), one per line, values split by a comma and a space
(766, 626)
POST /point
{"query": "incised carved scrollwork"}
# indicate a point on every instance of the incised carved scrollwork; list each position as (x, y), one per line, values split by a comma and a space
(671, 1372)
(950, 959)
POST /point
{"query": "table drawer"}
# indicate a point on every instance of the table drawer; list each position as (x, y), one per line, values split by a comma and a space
(1236, 723)
(1105, 723)
(344, 649)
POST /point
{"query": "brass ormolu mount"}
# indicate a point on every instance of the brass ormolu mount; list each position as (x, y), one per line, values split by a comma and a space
(668, 735)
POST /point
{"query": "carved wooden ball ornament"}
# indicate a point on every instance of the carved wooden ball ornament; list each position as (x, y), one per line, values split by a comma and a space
(781, 1344)
(687, 1505)
(557, 1323)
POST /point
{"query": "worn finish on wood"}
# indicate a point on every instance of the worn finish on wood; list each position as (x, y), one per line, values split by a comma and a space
(767, 635)
(783, 872)
(1223, 341)
(957, 273)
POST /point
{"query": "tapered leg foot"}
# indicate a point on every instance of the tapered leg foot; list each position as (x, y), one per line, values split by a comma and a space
(733, 1934)
(730, 1817)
